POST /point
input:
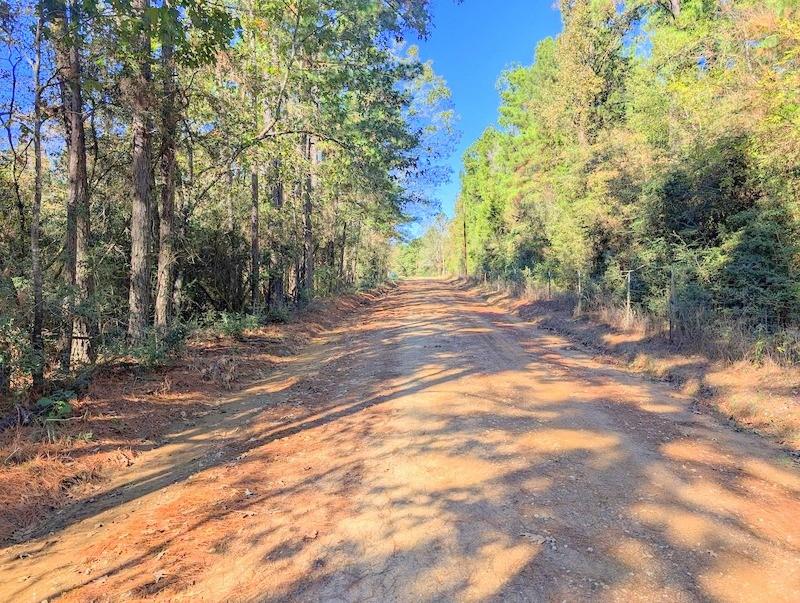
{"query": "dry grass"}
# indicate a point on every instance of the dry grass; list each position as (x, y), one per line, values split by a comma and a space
(760, 392)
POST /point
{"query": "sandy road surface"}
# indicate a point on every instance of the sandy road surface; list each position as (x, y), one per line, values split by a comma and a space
(436, 449)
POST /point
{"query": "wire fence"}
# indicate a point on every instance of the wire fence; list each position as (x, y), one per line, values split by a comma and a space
(680, 311)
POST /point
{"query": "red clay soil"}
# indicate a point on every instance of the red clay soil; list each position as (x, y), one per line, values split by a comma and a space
(128, 410)
(436, 448)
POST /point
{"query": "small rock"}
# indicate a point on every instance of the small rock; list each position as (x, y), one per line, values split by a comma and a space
(539, 539)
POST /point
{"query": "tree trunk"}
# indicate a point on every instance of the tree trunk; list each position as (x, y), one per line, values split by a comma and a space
(308, 239)
(37, 343)
(178, 266)
(354, 259)
(255, 244)
(8, 292)
(276, 262)
(294, 270)
(139, 294)
(298, 281)
(166, 210)
(294, 279)
(231, 296)
(5, 370)
(61, 36)
(83, 330)
(255, 249)
(183, 225)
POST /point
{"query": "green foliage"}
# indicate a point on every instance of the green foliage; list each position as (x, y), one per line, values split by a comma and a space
(56, 405)
(278, 314)
(156, 349)
(231, 324)
(407, 258)
(151, 352)
(645, 143)
(307, 134)
(425, 255)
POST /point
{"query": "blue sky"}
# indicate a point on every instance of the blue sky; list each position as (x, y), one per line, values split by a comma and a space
(470, 44)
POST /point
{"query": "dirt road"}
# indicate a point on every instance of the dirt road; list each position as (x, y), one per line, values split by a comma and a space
(436, 449)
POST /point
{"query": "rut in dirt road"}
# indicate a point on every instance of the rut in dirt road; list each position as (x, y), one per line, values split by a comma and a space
(438, 449)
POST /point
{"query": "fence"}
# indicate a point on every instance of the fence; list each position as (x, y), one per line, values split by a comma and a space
(679, 314)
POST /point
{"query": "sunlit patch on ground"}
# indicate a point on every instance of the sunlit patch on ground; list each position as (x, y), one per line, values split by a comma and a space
(441, 451)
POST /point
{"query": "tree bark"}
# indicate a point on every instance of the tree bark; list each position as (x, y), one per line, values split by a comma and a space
(165, 284)
(59, 29)
(255, 249)
(276, 262)
(83, 330)
(308, 238)
(342, 249)
(354, 258)
(255, 244)
(231, 296)
(295, 269)
(8, 292)
(37, 342)
(183, 225)
(139, 293)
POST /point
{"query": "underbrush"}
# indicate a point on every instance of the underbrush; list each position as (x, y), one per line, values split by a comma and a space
(158, 349)
(746, 374)
(155, 350)
(136, 395)
(237, 324)
(717, 337)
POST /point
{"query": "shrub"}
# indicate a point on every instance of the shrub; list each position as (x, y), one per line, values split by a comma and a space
(158, 348)
(234, 324)
(277, 314)
(57, 405)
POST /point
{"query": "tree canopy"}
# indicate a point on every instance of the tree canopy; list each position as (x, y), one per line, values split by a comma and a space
(660, 138)
(165, 161)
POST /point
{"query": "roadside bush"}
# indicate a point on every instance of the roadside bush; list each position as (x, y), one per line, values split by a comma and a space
(57, 405)
(157, 349)
(279, 314)
(233, 324)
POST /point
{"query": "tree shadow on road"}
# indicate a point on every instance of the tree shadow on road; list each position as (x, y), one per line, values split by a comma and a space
(450, 455)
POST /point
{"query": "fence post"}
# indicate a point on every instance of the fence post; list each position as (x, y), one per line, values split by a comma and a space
(579, 307)
(549, 285)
